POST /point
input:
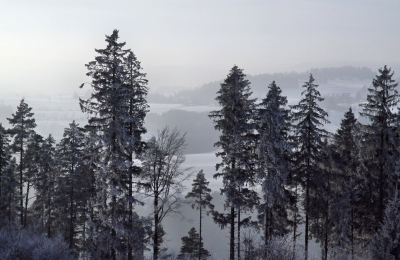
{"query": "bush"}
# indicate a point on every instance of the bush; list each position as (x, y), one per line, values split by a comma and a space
(30, 244)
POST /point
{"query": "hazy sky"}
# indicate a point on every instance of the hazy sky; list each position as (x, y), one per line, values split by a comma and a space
(45, 44)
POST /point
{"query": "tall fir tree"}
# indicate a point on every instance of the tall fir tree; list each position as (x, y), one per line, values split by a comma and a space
(308, 119)
(6, 185)
(346, 210)
(137, 92)
(202, 200)
(235, 122)
(44, 185)
(72, 184)
(274, 166)
(110, 114)
(32, 169)
(379, 148)
(22, 123)
(91, 166)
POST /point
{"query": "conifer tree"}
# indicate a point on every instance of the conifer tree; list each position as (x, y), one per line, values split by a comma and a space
(202, 195)
(308, 119)
(72, 183)
(321, 225)
(379, 148)
(44, 185)
(32, 162)
(9, 190)
(91, 166)
(274, 166)
(346, 210)
(22, 123)
(110, 115)
(235, 122)
(385, 244)
(192, 247)
(137, 92)
(6, 185)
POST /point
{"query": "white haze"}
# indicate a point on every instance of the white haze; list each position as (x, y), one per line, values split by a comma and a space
(184, 44)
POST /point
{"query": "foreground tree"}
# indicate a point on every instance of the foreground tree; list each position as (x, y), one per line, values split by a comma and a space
(110, 116)
(379, 148)
(7, 185)
(137, 92)
(22, 123)
(346, 209)
(202, 195)
(385, 244)
(33, 160)
(274, 165)
(308, 118)
(44, 185)
(162, 178)
(72, 184)
(237, 169)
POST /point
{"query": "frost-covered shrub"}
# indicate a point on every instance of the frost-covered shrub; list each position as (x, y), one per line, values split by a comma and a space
(31, 244)
(276, 248)
(385, 244)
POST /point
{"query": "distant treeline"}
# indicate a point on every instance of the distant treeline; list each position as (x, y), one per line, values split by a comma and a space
(205, 94)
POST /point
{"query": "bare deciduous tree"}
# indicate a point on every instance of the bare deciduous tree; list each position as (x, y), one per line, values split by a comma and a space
(162, 178)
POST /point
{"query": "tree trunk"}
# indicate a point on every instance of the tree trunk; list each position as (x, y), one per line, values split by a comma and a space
(295, 222)
(130, 185)
(21, 184)
(352, 232)
(71, 214)
(113, 232)
(130, 216)
(49, 215)
(200, 230)
(232, 238)
(28, 185)
(306, 224)
(156, 232)
(238, 235)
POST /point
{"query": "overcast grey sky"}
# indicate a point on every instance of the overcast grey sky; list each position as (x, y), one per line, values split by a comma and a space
(45, 44)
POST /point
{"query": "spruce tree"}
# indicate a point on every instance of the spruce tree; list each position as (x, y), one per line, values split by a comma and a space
(235, 122)
(308, 119)
(346, 209)
(22, 123)
(91, 166)
(72, 183)
(379, 148)
(137, 92)
(274, 165)
(9, 190)
(110, 115)
(44, 185)
(202, 195)
(385, 244)
(192, 247)
(32, 169)
(6, 185)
